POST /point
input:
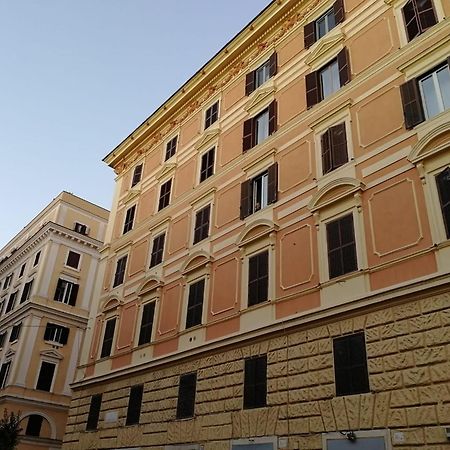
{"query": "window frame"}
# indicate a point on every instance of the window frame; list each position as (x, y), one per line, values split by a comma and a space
(252, 366)
(255, 257)
(93, 417)
(15, 333)
(81, 228)
(61, 333)
(120, 272)
(417, 17)
(183, 386)
(193, 304)
(66, 291)
(171, 147)
(134, 411)
(37, 258)
(26, 291)
(7, 365)
(445, 219)
(145, 337)
(22, 270)
(202, 223)
(31, 426)
(137, 175)
(11, 304)
(210, 117)
(251, 80)
(52, 383)
(128, 223)
(165, 197)
(156, 253)
(249, 133)
(77, 268)
(208, 169)
(107, 347)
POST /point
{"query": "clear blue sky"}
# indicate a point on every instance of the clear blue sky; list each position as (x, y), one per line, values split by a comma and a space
(78, 76)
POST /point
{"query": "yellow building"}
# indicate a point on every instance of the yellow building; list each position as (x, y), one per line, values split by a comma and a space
(277, 264)
(47, 275)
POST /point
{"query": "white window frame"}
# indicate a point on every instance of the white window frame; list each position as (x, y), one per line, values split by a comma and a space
(50, 361)
(191, 279)
(66, 297)
(79, 261)
(203, 153)
(5, 381)
(113, 315)
(437, 91)
(166, 141)
(208, 106)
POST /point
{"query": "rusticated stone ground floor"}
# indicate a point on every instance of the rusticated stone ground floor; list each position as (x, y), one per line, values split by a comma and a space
(408, 406)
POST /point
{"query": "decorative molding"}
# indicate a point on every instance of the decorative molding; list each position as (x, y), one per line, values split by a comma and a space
(132, 194)
(207, 139)
(51, 354)
(197, 260)
(150, 284)
(327, 47)
(256, 230)
(260, 99)
(167, 170)
(425, 148)
(110, 304)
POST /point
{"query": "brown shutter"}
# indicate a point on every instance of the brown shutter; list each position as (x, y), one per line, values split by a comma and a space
(338, 11)
(344, 66)
(73, 295)
(309, 34)
(412, 105)
(250, 83)
(273, 65)
(246, 195)
(272, 117)
(338, 145)
(248, 139)
(312, 89)
(58, 290)
(325, 142)
(272, 183)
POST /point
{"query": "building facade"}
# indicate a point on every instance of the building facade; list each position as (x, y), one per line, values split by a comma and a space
(47, 275)
(276, 268)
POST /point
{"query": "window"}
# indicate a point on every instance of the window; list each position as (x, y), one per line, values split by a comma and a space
(327, 80)
(207, 164)
(255, 382)
(56, 333)
(443, 186)
(334, 148)
(186, 396)
(108, 338)
(11, 302)
(129, 219)
(120, 271)
(259, 192)
(320, 27)
(258, 128)
(80, 228)
(134, 404)
(26, 293)
(66, 292)
(260, 75)
(341, 246)
(164, 195)
(36, 259)
(258, 278)
(94, 412)
(45, 379)
(73, 259)
(137, 174)
(171, 148)
(195, 304)
(211, 115)
(201, 229)
(148, 314)
(426, 96)
(2, 339)
(4, 371)
(15, 332)
(350, 364)
(7, 281)
(419, 15)
(22, 270)
(157, 250)
(34, 425)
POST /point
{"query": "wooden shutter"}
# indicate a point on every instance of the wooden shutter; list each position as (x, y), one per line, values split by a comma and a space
(64, 335)
(338, 140)
(48, 331)
(273, 65)
(427, 16)
(344, 67)
(338, 11)
(272, 117)
(312, 89)
(309, 34)
(325, 143)
(272, 183)
(58, 291)
(246, 197)
(412, 104)
(73, 294)
(248, 135)
(250, 82)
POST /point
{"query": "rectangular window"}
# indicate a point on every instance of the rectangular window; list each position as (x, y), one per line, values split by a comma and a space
(129, 219)
(2, 339)
(329, 79)
(34, 425)
(258, 278)
(350, 365)
(4, 371)
(11, 302)
(207, 164)
(171, 148)
(66, 292)
(260, 127)
(73, 259)
(22, 270)
(201, 229)
(443, 186)
(15, 332)
(134, 405)
(94, 412)
(36, 259)
(315, 30)
(7, 281)
(341, 246)
(259, 76)
(120, 271)
(255, 382)
(108, 338)
(26, 293)
(56, 333)
(137, 174)
(80, 228)
(211, 115)
(186, 396)
(419, 15)
(195, 304)
(45, 379)
(334, 148)
(259, 192)
(164, 195)
(157, 250)
(148, 314)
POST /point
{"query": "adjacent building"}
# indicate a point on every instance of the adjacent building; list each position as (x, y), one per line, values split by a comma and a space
(47, 275)
(276, 272)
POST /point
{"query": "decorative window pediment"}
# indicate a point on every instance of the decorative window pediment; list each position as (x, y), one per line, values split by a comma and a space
(132, 194)
(327, 48)
(9, 354)
(208, 139)
(111, 304)
(150, 284)
(257, 230)
(167, 171)
(431, 144)
(51, 354)
(196, 261)
(261, 99)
